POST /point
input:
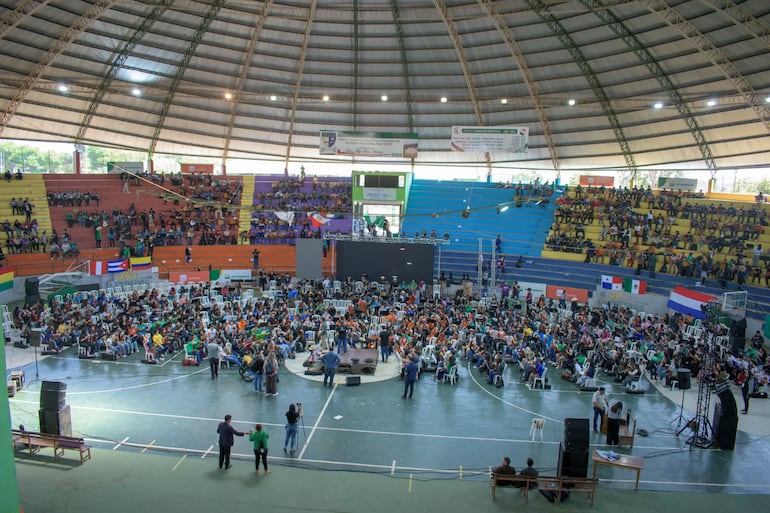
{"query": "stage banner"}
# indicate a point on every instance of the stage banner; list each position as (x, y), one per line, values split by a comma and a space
(596, 181)
(225, 276)
(678, 184)
(480, 139)
(369, 144)
(188, 276)
(136, 168)
(554, 292)
(206, 169)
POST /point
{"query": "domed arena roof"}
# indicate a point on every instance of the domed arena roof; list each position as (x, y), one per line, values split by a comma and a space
(597, 83)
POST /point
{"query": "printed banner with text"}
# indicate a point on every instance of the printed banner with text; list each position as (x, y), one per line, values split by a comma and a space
(480, 139)
(368, 144)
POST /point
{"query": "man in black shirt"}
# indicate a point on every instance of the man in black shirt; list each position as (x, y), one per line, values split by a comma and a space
(504, 470)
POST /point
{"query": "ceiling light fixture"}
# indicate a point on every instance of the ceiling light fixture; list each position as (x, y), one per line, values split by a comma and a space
(228, 96)
(658, 105)
(273, 98)
(63, 88)
(326, 98)
(571, 102)
(504, 101)
(136, 91)
(711, 103)
(384, 97)
(443, 99)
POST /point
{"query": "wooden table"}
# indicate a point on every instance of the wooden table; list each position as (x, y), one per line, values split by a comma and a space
(623, 461)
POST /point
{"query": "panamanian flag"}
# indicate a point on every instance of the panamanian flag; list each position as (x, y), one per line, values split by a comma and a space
(612, 282)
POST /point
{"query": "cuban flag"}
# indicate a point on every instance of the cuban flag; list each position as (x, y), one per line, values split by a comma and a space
(97, 267)
(688, 301)
(612, 282)
(117, 266)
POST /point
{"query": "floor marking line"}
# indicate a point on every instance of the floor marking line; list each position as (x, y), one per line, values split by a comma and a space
(317, 421)
(206, 453)
(481, 387)
(343, 430)
(179, 462)
(393, 468)
(148, 446)
(121, 442)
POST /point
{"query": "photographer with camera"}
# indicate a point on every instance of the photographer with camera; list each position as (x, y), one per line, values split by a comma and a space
(292, 426)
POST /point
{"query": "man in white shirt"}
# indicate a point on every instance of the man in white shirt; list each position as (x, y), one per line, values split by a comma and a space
(600, 405)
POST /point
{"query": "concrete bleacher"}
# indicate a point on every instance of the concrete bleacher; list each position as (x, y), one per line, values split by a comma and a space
(439, 206)
(33, 188)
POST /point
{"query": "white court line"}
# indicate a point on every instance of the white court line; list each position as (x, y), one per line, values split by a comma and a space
(512, 405)
(316, 427)
(393, 468)
(206, 453)
(317, 421)
(121, 442)
(133, 387)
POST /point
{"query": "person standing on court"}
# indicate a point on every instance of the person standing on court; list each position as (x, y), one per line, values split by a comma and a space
(213, 350)
(330, 360)
(226, 440)
(613, 423)
(600, 406)
(292, 421)
(271, 374)
(385, 344)
(259, 438)
(258, 368)
(410, 376)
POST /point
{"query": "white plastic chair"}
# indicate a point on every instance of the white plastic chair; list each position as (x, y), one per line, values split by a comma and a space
(450, 376)
(540, 379)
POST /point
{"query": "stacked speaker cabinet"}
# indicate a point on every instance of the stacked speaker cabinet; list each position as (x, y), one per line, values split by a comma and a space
(54, 413)
(31, 291)
(573, 452)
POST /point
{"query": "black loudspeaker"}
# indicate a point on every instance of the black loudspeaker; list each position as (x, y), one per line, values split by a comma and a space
(576, 434)
(52, 395)
(738, 328)
(738, 346)
(683, 376)
(30, 300)
(353, 381)
(56, 422)
(727, 403)
(31, 287)
(572, 463)
(34, 338)
(725, 428)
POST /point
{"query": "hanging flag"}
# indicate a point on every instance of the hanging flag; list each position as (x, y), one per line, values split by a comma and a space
(688, 301)
(318, 219)
(633, 286)
(97, 267)
(117, 266)
(612, 282)
(287, 217)
(6, 278)
(141, 263)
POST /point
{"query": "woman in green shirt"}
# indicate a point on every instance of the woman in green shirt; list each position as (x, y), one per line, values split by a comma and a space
(259, 438)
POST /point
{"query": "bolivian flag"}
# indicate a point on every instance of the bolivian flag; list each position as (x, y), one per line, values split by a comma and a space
(6, 278)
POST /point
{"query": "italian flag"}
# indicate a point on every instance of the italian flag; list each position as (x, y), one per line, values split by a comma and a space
(634, 286)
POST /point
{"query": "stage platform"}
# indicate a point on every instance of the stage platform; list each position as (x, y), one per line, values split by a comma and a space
(367, 366)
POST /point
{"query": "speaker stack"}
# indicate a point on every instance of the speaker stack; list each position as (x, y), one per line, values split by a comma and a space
(725, 421)
(738, 336)
(573, 451)
(54, 413)
(31, 291)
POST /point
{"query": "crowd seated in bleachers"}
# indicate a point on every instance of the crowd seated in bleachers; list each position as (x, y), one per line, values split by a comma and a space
(686, 238)
(288, 195)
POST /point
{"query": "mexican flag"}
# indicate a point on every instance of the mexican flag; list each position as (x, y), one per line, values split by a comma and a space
(633, 286)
